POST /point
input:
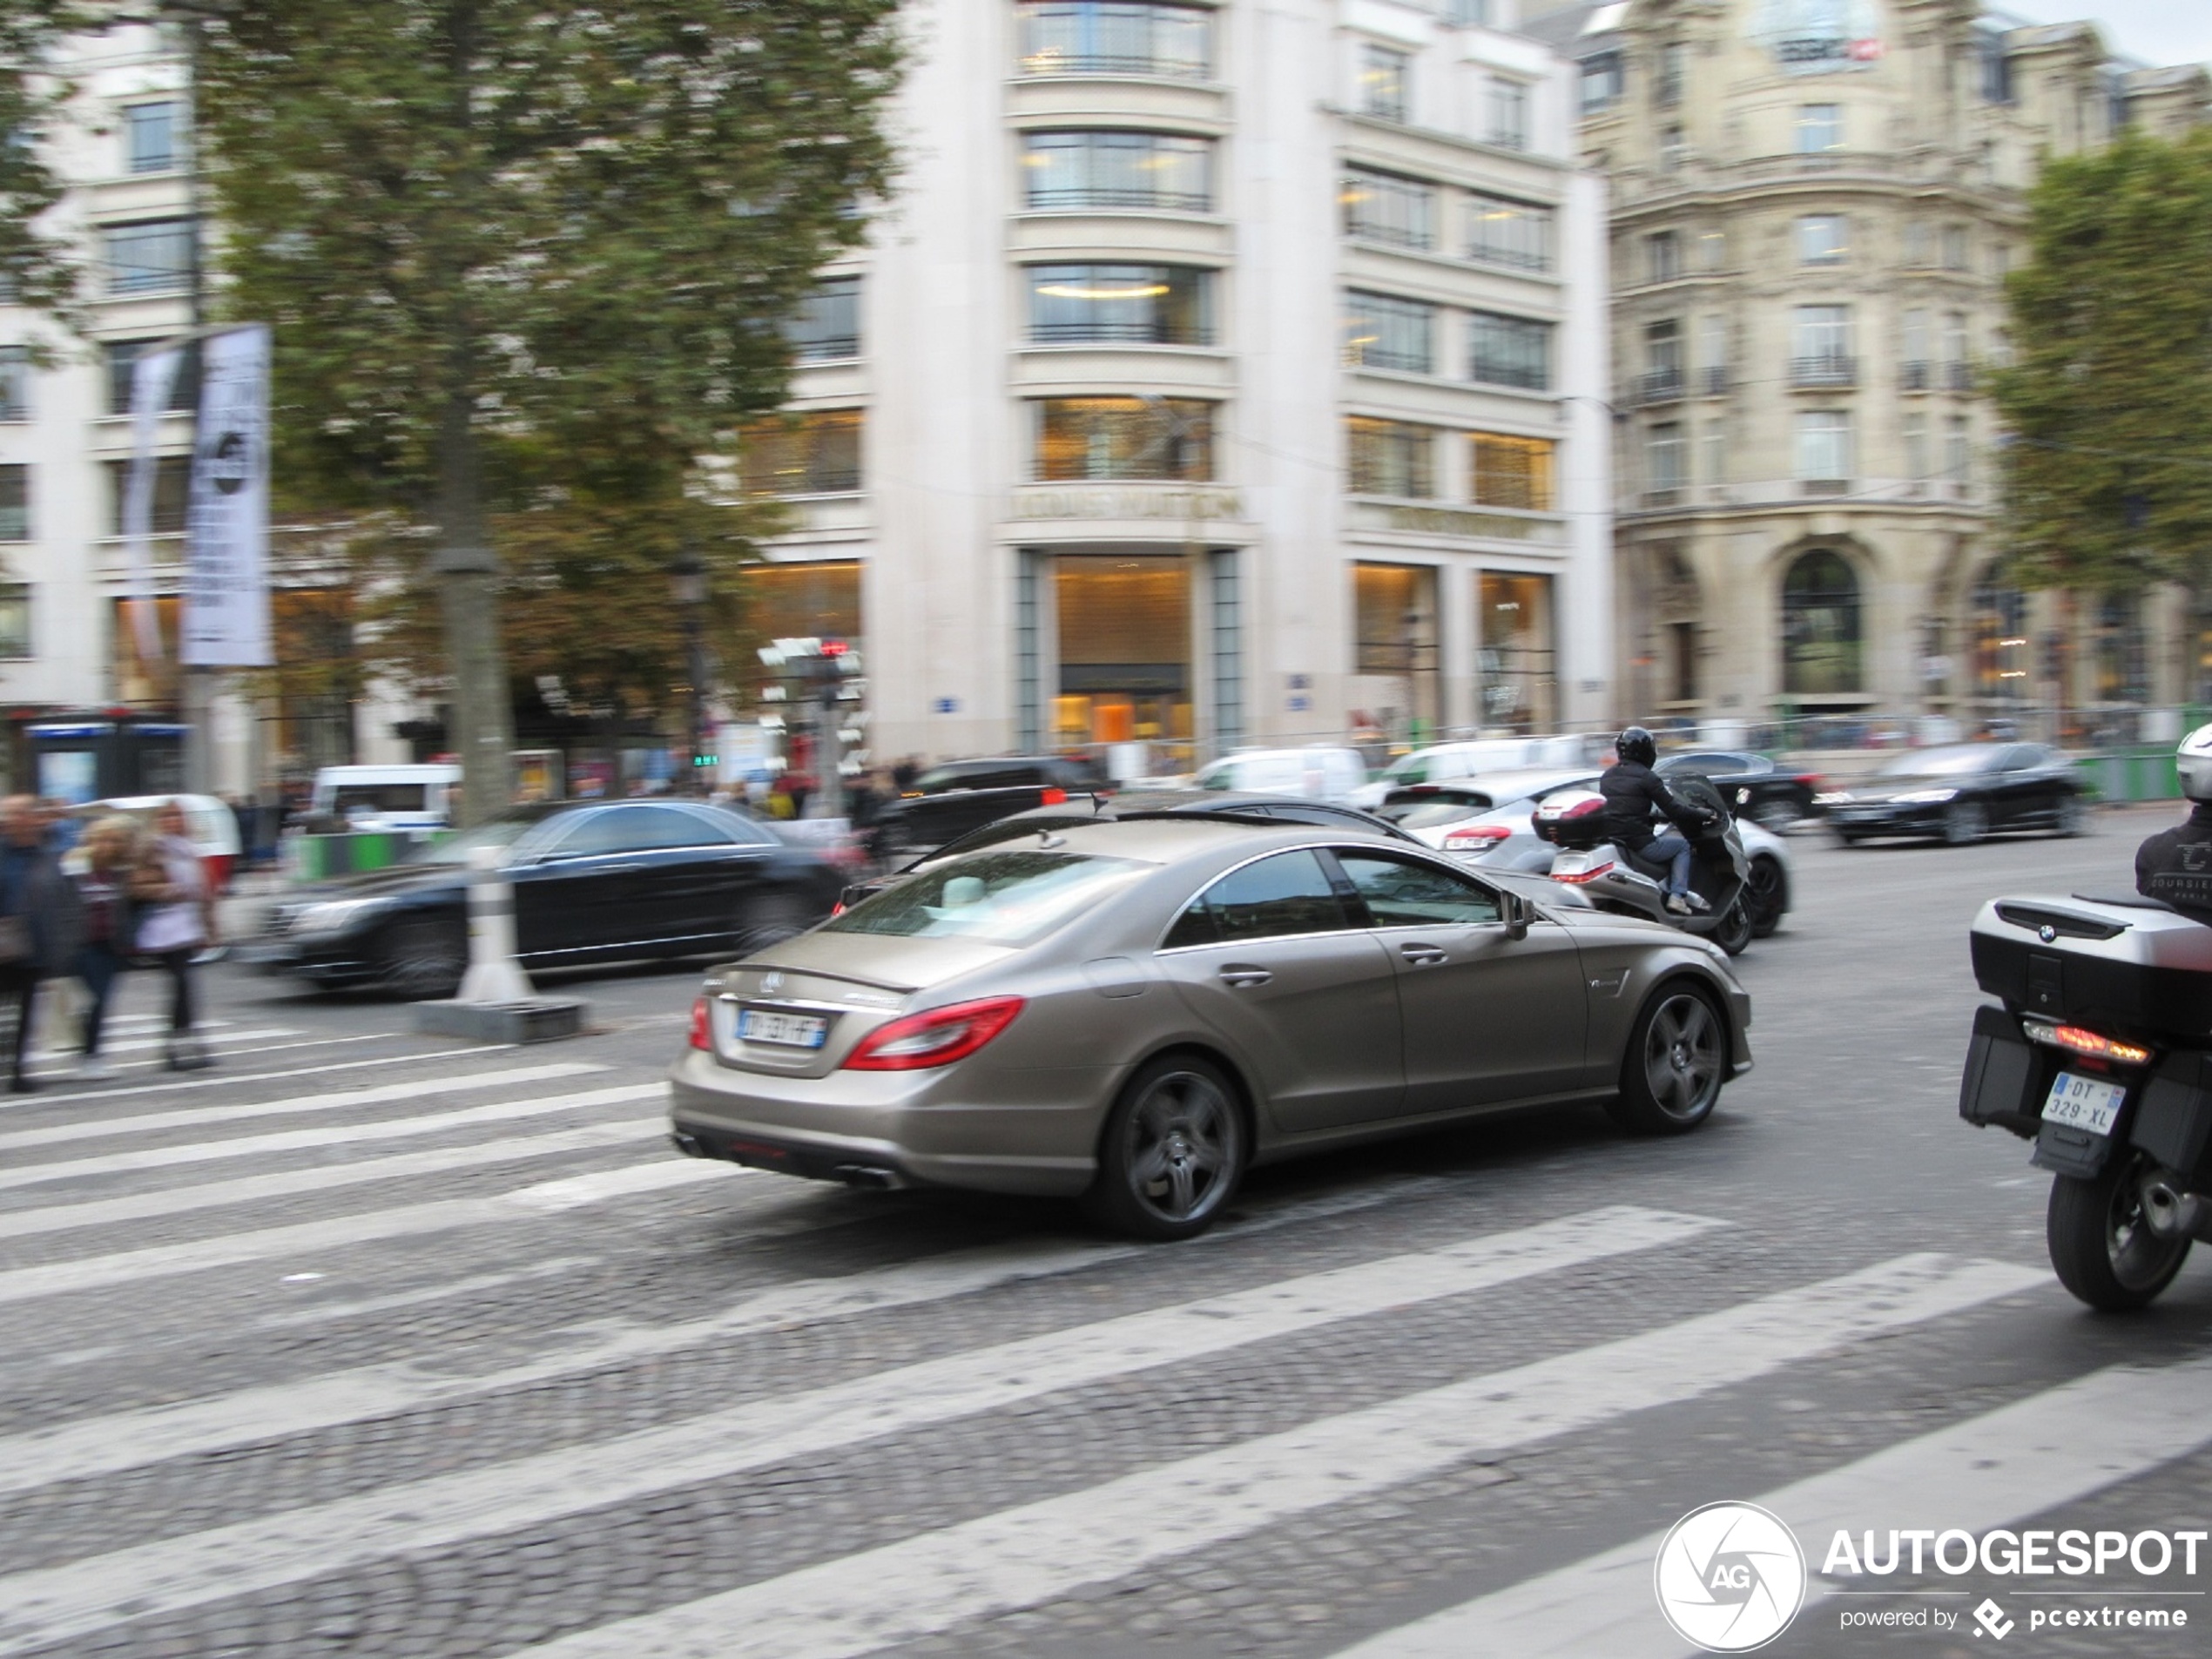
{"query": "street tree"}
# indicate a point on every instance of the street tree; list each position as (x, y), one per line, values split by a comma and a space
(2107, 402)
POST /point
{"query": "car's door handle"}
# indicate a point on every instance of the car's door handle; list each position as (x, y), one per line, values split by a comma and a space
(1424, 955)
(1237, 978)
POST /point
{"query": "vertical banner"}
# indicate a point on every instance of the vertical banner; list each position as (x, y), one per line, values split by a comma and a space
(227, 590)
(152, 377)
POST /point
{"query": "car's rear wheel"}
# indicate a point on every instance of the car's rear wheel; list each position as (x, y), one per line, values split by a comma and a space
(1776, 817)
(2102, 1246)
(1677, 1061)
(1173, 1152)
(2072, 815)
(423, 959)
(1769, 895)
(769, 919)
(1965, 822)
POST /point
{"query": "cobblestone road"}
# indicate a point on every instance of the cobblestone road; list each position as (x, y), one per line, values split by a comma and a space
(366, 1344)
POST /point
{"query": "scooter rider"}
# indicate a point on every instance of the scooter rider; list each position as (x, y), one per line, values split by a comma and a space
(2175, 865)
(1633, 792)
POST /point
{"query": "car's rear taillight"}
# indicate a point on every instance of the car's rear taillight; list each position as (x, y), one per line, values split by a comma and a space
(1576, 877)
(837, 909)
(1052, 795)
(702, 1025)
(1475, 838)
(936, 1037)
(1812, 780)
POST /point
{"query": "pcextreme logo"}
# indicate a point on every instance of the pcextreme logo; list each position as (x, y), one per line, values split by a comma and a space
(1730, 1577)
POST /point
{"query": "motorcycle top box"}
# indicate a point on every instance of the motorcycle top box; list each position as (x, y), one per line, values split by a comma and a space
(2128, 962)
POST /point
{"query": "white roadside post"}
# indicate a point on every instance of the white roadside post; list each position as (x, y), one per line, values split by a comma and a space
(494, 974)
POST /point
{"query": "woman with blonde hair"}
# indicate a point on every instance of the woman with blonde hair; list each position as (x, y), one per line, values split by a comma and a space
(177, 921)
(111, 857)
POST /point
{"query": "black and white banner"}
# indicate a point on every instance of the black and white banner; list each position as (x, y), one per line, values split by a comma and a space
(226, 592)
(152, 377)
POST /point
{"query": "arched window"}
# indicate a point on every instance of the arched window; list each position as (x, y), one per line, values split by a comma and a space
(1820, 626)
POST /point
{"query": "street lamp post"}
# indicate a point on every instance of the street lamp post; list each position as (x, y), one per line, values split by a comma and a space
(687, 586)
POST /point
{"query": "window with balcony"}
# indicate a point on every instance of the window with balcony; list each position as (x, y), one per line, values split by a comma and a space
(1126, 305)
(1824, 450)
(1820, 128)
(1916, 372)
(1661, 256)
(1517, 235)
(1102, 439)
(1996, 67)
(1383, 332)
(1916, 446)
(1823, 238)
(1674, 148)
(154, 136)
(122, 361)
(1958, 452)
(1506, 105)
(1511, 472)
(1958, 374)
(15, 503)
(14, 383)
(171, 493)
(1667, 84)
(1116, 38)
(1664, 463)
(1820, 350)
(1508, 351)
(1716, 452)
(1391, 458)
(1713, 248)
(1662, 361)
(154, 256)
(827, 327)
(1384, 207)
(1385, 79)
(817, 453)
(1603, 81)
(1956, 253)
(1713, 355)
(1161, 172)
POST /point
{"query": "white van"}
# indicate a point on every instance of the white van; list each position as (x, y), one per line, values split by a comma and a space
(1441, 762)
(384, 797)
(1316, 773)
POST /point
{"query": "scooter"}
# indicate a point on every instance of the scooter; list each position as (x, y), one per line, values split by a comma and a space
(2099, 1051)
(1616, 879)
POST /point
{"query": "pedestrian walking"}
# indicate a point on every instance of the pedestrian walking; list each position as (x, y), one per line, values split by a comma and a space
(176, 922)
(38, 918)
(111, 857)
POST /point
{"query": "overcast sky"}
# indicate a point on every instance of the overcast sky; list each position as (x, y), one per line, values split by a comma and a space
(2159, 31)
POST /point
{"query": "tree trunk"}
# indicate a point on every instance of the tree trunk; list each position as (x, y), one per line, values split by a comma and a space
(482, 736)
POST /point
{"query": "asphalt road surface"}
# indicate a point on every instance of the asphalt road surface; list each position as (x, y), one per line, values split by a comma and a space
(371, 1343)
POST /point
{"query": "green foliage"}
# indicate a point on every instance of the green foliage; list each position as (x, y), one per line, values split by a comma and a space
(2110, 397)
(42, 266)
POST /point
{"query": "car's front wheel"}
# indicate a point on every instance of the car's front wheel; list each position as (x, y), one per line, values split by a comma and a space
(770, 919)
(423, 959)
(1174, 1150)
(1677, 1061)
(1965, 822)
(1769, 896)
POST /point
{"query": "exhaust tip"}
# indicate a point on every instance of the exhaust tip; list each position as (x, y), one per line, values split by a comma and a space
(689, 1145)
(868, 1179)
(2171, 1213)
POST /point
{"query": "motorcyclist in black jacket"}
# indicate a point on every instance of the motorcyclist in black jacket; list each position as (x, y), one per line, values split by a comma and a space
(2175, 865)
(1633, 793)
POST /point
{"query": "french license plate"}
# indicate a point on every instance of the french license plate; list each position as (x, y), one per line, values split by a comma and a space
(2084, 1102)
(785, 1030)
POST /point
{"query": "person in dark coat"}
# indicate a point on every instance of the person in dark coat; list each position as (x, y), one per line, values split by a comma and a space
(2175, 865)
(1634, 793)
(39, 924)
(111, 857)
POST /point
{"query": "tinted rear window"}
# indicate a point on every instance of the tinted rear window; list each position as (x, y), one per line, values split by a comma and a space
(1007, 897)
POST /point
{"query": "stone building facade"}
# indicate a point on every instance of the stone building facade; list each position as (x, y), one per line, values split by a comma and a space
(1814, 206)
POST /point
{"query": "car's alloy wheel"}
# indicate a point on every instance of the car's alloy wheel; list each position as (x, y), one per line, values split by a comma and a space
(1173, 1152)
(770, 919)
(1776, 817)
(2102, 1246)
(424, 959)
(1677, 1061)
(1769, 896)
(1965, 822)
(2072, 814)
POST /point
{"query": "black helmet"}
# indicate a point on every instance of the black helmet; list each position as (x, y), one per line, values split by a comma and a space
(1637, 744)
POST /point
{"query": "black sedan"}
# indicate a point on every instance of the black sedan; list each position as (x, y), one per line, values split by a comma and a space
(947, 801)
(1962, 793)
(1770, 796)
(593, 883)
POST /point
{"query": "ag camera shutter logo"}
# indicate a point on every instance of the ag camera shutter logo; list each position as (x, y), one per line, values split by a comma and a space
(1730, 1577)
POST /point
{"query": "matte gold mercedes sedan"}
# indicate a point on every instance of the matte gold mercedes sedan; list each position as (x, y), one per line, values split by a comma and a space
(1134, 1013)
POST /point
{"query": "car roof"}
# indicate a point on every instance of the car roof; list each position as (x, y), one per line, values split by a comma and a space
(1512, 785)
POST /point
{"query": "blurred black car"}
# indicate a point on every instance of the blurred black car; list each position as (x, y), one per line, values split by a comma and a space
(1961, 793)
(1085, 809)
(947, 801)
(1752, 785)
(593, 882)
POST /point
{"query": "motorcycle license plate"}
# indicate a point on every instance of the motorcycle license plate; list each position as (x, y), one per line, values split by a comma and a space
(2084, 1102)
(785, 1030)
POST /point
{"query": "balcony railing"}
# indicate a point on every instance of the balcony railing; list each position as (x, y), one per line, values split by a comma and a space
(827, 349)
(1129, 60)
(1958, 377)
(1155, 333)
(1714, 383)
(1660, 385)
(1513, 259)
(1915, 377)
(1824, 486)
(1170, 201)
(1825, 370)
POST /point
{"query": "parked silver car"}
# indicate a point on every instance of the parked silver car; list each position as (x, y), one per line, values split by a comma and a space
(1137, 1012)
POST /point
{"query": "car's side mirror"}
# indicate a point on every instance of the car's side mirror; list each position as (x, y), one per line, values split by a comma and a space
(1518, 915)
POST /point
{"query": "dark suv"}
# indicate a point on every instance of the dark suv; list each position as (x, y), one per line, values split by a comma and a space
(948, 801)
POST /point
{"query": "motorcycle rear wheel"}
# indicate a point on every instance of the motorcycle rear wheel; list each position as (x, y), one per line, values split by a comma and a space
(1737, 929)
(2101, 1247)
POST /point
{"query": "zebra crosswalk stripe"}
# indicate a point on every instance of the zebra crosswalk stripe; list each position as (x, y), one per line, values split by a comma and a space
(51, 1606)
(1020, 1557)
(1990, 1471)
